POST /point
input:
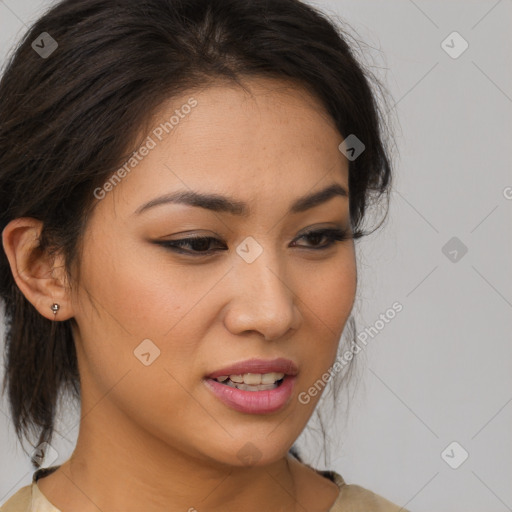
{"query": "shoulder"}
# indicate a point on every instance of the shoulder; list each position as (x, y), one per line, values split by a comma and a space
(30, 498)
(21, 501)
(354, 498)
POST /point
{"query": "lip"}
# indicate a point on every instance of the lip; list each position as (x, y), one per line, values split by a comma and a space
(279, 365)
(254, 402)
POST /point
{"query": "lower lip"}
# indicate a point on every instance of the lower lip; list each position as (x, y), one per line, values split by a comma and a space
(253, 402)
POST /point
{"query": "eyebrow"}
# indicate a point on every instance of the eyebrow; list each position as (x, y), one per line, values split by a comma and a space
(223, 204)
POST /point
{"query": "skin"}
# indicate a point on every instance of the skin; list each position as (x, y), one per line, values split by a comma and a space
(154, 437)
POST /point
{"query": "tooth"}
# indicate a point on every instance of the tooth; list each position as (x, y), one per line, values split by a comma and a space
(270, 378)
(260, 387)
(222, 378)
(253, 379)
(247, 387)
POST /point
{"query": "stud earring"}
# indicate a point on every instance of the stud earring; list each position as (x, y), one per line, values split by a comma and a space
(55, 307)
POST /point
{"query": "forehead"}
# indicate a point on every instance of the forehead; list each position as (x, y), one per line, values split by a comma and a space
(259, 111)
(265, 140)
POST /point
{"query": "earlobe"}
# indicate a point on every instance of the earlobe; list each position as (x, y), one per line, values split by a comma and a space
(35, 271)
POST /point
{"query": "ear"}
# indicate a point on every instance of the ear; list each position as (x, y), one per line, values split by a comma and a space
(40, 277)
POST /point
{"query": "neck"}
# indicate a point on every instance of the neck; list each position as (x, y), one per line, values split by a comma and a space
(117, 467)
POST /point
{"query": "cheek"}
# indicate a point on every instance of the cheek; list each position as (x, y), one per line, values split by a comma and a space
(328, 293)
(124, 302)
(328, 297)
(136, 293)
(139, 290)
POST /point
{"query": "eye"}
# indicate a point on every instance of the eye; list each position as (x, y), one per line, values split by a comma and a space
(331, 235)
(202, 245)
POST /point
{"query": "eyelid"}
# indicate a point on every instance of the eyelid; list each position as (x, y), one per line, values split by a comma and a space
(334, 235)
(323, 226)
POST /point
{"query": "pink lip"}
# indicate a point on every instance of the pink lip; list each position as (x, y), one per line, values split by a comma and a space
(254, 402)
(279, 365)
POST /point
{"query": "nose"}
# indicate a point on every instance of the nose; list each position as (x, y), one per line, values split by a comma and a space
(261, 299)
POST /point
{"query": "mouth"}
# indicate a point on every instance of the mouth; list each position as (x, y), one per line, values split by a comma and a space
(252, 381)
(255, 386)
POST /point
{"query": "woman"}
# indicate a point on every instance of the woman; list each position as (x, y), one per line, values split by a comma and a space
(182, 185)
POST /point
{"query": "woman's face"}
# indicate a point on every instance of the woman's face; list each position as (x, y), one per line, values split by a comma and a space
(154, 322)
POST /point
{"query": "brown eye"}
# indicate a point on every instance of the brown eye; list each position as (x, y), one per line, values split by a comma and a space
(194, 245)
(331, 235)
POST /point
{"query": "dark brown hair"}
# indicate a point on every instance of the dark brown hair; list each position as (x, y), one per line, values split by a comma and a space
(69, 120)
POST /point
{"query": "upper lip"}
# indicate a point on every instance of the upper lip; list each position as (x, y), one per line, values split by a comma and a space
(279, 365)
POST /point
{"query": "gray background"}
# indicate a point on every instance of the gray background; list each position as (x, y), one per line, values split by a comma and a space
(441, 370)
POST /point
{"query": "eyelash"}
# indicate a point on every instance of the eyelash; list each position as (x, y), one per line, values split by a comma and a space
(333, 235)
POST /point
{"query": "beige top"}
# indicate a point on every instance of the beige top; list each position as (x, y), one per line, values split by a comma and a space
(352, 498)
